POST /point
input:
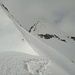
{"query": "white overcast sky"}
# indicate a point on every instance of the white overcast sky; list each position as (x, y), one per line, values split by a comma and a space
(60, 13)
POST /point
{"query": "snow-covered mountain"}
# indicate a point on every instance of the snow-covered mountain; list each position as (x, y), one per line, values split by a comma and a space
(48, 42)
(55, 38)
(17, 63)
(52, 43)
(59, 13)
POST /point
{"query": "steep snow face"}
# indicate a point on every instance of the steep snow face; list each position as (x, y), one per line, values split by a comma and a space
(10, 37)
(53, 43)
(16, 63)
(54, 38)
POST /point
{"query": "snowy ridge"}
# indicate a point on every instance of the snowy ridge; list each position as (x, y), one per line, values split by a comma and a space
(41, 27)
(54, 38)
(11, 38)
(31, 63)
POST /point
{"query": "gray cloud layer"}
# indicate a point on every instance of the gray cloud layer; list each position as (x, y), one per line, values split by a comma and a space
(60, 13)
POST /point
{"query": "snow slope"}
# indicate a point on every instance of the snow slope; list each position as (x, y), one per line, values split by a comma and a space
(17, 63)
(55, 38)
(56, 70)
(10, 37)
(53, 43)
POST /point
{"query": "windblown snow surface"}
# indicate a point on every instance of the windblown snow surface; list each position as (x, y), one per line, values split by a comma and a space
(17, 63)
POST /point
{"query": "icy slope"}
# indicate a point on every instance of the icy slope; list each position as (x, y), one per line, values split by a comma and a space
(17, 63)
(55, 38)
(10, 37)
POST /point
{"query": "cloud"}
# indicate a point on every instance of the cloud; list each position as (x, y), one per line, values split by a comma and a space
(59, 13)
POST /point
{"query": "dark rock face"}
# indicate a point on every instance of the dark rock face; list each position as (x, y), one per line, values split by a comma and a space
(10, 14)
(5, 7)
(33, 27)
(48, 36)
(19, 23)
(63, 40)
(73, 38)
